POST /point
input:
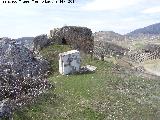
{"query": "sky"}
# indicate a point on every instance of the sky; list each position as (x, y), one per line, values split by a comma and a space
(32, 19)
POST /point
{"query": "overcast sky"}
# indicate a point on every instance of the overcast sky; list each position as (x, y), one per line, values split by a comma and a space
(121, 16)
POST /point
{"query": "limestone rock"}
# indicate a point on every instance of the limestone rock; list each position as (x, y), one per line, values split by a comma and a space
(69, 62)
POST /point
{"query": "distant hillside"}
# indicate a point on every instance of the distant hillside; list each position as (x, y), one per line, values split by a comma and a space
(25, 38)
(151, 29)
(108, 36)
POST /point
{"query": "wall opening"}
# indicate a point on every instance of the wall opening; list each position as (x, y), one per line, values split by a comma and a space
(64, 42)
(146, 51)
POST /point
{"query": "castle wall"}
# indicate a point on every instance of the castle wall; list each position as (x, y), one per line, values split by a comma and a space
(149, 52)
(79, 38)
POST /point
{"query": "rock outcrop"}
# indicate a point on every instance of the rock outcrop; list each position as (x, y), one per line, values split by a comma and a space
(78, 37)
(21, 72)
(41, 41)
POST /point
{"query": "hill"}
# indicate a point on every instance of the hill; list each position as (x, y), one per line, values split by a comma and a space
(153, 29)
(109, 36)
(109, 93)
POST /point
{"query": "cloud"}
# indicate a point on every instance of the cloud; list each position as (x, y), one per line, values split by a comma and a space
(103, 5)
(152, 10)
(118, 15)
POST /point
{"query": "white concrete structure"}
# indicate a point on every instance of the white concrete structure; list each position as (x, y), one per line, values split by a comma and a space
(69, 62)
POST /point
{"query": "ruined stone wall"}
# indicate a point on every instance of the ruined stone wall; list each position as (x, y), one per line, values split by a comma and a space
(105, 44)
(78, 37)
(149, 52)
(103, 48)
(142, 57)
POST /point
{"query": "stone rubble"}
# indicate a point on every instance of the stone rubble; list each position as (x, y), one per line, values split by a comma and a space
(87, 69)
(22, 73)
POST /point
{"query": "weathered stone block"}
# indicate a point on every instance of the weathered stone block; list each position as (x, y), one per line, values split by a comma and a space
(69, 62)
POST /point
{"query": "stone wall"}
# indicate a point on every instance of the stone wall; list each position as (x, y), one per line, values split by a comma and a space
(105, 44)
(79, 38)
(103, 48)
(149, 52)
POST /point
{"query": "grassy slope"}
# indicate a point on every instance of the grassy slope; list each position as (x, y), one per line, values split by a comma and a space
(51, 53)
(152, 66)
(97, 96)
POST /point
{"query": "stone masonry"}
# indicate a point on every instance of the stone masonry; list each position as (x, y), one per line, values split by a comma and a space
(149, 52)
(104, 44)
(103, 48)
(79, 38)
(69, 62)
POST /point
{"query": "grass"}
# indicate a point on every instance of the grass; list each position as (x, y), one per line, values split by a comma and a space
(105, 94)
(111, 59)
(51, 53)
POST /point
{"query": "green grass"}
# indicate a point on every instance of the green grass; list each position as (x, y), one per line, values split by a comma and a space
(96, 96)
(51, 53)
(111, 59)
(139, 45)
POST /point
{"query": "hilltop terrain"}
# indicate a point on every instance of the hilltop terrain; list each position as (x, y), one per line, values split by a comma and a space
(124, 86)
